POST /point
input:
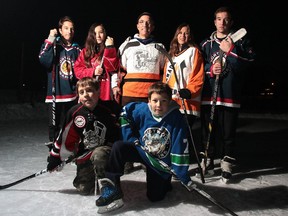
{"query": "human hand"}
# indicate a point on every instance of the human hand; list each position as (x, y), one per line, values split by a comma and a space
(117, 93)
(53, 163)
(53, 32)
(98, 71)
(109, 41)
(226, 44)
(217, 69)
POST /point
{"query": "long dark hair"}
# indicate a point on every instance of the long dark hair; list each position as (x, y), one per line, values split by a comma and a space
(92, 48)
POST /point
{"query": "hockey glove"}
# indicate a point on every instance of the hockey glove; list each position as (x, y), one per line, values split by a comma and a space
(53, 162)
(185, 93)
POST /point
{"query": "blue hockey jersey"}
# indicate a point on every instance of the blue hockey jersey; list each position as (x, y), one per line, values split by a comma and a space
(164, 138)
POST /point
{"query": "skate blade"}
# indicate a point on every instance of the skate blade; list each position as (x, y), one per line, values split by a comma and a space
(111, 207)
(48, 143)
(224, 180)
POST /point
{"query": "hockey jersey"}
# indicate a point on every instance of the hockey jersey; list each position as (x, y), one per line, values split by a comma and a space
(63, 66)
(231, 78)
(189, 69)
(163, 138)
(110, 66)
(85, 130)
(143, 64)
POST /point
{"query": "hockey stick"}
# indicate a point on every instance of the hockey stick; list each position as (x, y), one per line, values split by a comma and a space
(162, 50)
(59, 167)
(54, 93)
(199, 191)
(235, 37)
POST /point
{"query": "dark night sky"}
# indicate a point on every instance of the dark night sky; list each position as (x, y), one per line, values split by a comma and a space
(25, 24)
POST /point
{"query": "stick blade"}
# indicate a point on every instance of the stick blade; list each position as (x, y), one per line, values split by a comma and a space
(238, 35)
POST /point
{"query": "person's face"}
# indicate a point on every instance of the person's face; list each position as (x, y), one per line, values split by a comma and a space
(159, 104)
(223, 22)
(145, 26)
(67, 31)
(100, 34)
(88, 96)
(183, 35)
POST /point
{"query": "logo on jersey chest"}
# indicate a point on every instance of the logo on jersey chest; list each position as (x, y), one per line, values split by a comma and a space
(66, 65)
(157, 141)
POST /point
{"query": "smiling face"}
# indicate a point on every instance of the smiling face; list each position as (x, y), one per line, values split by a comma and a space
(183, 35)
(145, 26)
(159, 104)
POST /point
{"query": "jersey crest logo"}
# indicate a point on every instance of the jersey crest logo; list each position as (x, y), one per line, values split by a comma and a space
(157, 141)
(80, 121)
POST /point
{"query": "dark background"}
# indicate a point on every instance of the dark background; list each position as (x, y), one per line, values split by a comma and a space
(25, 24)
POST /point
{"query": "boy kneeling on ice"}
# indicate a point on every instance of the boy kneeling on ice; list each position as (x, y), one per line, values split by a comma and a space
(151, 133)
(89, 130)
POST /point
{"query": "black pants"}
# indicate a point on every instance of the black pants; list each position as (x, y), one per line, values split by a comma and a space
(123, 152)
(223, 133)
(60, 113)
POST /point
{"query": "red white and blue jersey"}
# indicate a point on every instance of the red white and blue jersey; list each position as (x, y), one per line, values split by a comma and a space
(62, 65)
(85, 130)
(231, 78)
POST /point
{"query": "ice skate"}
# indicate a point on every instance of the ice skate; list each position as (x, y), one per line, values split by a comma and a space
(111, 197)
(226, 166)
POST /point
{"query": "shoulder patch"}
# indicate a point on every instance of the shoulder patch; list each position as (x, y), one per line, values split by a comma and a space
(80, 121)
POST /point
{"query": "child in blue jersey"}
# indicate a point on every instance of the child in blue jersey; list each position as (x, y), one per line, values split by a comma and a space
(156, 129)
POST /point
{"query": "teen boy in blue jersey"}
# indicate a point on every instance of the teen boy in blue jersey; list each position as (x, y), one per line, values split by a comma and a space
(227, 61)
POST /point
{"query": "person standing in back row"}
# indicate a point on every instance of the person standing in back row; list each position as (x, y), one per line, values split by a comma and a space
(189, 69)
(235, 59)
(58, 54)
(99, 59)
(142, 63)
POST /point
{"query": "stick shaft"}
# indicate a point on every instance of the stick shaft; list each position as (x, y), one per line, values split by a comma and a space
(199, 191)
(68, 160)
(162, 50)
